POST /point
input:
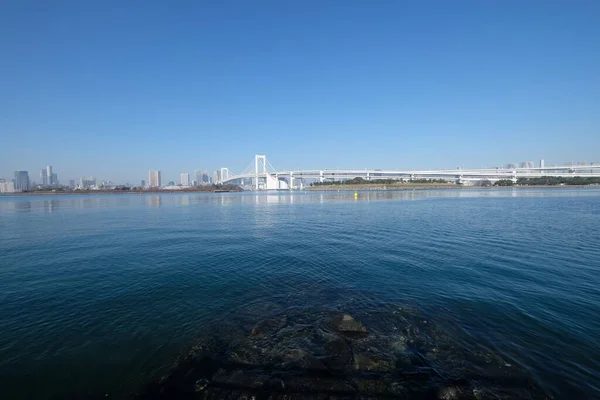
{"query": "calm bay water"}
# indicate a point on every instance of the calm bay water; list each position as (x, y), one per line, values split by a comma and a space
(98, 293)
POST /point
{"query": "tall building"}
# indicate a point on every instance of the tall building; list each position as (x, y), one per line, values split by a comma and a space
(198, 176)
(205, 178)
(72, 183)
(143, 183)
(49, 175)
(216, 176)
(55, 179)
(44, 177)
(21, 181)
(154, 179)
(184, 179)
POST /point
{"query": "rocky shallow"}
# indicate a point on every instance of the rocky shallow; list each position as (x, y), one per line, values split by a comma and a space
(392, 352)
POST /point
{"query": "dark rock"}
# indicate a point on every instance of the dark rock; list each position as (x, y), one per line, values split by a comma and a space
(269, 326)
(347, 324)
(372, 362)
(315, 356)
(318, 384)
(301, 359)
(244, 379)
(448, 393)
(339, 354)
(200, 385)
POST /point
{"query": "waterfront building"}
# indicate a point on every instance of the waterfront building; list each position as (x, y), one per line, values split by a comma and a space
(198, 176)
(184, 179)
(143, 183)
(154, 179)
(72, 183)
(87, 182)
(44, 177)
(216, 176)
(21, 181)
(7, 187)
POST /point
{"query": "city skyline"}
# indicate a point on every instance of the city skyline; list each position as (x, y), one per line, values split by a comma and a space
(155, 178)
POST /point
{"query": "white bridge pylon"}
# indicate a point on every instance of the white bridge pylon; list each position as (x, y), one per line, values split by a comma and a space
(263, 176)
(261, 173)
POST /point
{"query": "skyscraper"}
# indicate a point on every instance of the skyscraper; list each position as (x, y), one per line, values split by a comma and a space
(72, 183)
(185, 179)
(205, 177)
(154, 179)
(143, 183)
(44, 177)
(49, 175)
(216, 176)
(55, 179)
(198, 177)
(21, 181)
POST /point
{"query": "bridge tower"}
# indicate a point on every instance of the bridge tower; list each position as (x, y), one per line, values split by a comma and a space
(224, 174)
(260, 168)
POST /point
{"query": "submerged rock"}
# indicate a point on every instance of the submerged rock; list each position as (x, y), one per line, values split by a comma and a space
(449, 393)
(200, 385)
(324, 355)
(347, 324)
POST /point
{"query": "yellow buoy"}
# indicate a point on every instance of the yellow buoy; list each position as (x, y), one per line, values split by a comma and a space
(355, 195)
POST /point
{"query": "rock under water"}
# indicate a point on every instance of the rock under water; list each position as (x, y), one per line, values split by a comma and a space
(389, 353)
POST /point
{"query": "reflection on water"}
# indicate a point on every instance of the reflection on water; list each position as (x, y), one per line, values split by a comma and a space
(23, 206)
(51, 203)
(154, 201)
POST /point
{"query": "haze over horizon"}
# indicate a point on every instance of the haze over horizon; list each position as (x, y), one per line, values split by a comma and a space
(113, 90)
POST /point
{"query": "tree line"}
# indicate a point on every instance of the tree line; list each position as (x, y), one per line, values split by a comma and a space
(550, 181)
(362, 181)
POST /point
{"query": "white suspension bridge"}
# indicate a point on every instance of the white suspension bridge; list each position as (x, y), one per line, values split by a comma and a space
(261, 175)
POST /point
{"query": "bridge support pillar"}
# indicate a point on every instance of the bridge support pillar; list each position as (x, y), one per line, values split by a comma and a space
(321, 179)
(259, 161)
(291, 180)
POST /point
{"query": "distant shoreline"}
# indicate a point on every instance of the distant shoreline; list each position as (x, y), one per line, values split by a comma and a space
(332, 188)
(346, 188)
(142, 192)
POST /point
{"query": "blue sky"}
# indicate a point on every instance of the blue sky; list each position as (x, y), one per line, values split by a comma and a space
(113, 88)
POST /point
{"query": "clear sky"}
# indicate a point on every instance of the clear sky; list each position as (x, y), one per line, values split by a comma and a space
(114, 88)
